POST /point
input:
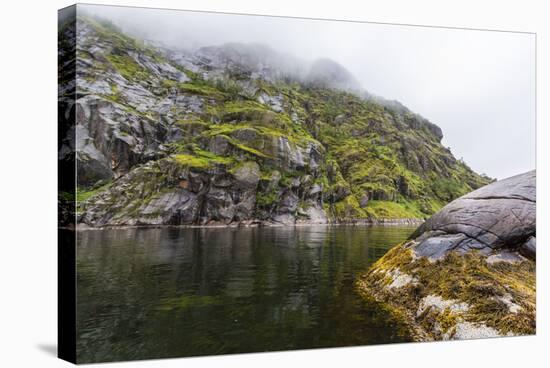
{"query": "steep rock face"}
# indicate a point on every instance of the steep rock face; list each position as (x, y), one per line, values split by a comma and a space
(177, 191)
(111, 141)
(469, 270)
(324, 154)
(66, 52)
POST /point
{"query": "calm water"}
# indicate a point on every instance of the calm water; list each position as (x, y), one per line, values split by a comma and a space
(152, 293)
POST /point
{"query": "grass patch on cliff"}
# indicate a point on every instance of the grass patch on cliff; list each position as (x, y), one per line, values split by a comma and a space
(267, 199)
(263, 145)
(395, 210)
(128, 68)
(83, 194)
(246, 113)
(348, 209)
(202, 159)
(109, 31)
(200, 89)
(247, 149)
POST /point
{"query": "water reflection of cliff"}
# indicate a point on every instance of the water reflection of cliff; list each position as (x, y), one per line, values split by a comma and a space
(147, 293)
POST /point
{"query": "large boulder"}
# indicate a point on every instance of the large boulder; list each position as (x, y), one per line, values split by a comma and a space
(498, 216)
(469, 270)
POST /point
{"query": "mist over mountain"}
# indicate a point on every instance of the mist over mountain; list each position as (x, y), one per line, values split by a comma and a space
(261, 61)
(466, 81)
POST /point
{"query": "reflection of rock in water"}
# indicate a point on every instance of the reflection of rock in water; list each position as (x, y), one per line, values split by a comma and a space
(469, 270)
(145, 293)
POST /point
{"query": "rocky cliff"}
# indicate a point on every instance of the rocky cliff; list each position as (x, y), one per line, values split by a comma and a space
(468, 271)
(237, 134)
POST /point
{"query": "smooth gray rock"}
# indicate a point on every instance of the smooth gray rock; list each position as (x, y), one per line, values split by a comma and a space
(316, 188)
(529, 248)
(219, 205)
(219, 145)
(248, 175)
(289, 202)
(315, 214)
(178, 207)
(111, 140)
(248, 136)
(274, 102)
(500, 215)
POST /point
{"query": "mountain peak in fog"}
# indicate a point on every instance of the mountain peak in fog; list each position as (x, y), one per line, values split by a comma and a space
(257, 60)
(325, 72)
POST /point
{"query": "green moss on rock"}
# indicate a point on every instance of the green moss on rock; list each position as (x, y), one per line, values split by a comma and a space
(128, 68)
(471, 291)
(368, 160)
(201, 160)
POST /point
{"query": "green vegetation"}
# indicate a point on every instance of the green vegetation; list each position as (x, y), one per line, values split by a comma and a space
(348, 208)
(83, 194)
(403, 170)
(106, 29)
(197, 88)
(201, 159)
(388, 209)
(464, 278)
(128, 68)
(372, 160)
(200, 89)
(266, 200)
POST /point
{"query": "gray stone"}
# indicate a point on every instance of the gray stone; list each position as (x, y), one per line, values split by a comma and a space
(247, 136)
(244, 209)
(274, 102)
(437, 247)
(315, 215)
(469, 330)
(315, 189)
(111, 140)
(274, 179)
(178, 207)
(498, 216)
(219, 145)
(219, 205)
(529, 248)
(284, 219)
(289, 202)
(247, 175)
(506, 257)
(364, 200)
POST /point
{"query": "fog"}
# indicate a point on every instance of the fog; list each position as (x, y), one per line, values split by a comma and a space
(478, 86)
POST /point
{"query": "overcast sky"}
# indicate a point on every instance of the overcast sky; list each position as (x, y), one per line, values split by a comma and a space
(478, 86)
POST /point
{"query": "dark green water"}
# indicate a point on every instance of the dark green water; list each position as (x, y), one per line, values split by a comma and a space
(154, 293)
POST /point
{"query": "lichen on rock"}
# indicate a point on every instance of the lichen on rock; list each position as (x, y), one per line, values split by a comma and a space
(469, 281)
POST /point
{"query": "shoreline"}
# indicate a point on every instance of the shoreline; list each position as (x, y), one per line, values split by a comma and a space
(256, 224)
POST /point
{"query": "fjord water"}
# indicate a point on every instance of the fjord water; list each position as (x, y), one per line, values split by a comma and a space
(154, 293)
